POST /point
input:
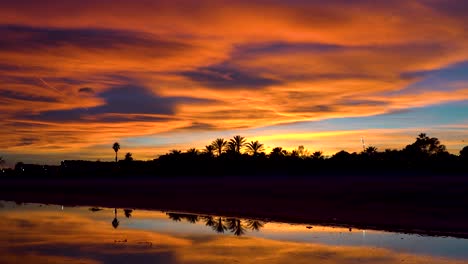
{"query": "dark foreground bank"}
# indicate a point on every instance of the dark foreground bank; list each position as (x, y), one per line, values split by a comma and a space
(434, 205)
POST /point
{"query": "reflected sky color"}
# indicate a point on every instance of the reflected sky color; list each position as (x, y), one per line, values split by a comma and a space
(75, 76)
(52, 234)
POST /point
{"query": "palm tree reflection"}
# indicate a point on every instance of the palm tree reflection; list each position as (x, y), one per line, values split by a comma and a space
(209, 220)
(255, 225)
(128, 212)
(236, 226)
(219, 224)
(115, 222)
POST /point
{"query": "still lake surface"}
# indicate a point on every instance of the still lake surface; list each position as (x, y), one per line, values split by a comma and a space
(36, 233)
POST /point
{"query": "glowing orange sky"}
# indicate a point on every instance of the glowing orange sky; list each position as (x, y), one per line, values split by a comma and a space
(75, 76)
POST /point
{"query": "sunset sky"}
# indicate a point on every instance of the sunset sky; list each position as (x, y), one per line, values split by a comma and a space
(76, 76)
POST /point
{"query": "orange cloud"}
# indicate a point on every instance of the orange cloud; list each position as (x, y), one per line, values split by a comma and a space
(213, 65)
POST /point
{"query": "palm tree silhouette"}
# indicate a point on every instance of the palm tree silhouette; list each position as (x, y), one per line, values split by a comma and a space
(2, 162)
(219, 144)
(115, 222)
(370, 150)
(317, 155)
(238, 143)
(254, 147)
(192, 152)
(278, 152)
(209, 150)
(175, 152)
(116, 148)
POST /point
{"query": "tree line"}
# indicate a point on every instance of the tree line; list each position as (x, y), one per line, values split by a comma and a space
(423, 147)
(238, 156)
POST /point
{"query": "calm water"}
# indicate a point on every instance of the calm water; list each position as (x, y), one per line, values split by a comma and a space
(34, 233)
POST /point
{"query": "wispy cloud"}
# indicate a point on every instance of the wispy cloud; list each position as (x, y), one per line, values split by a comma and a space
(75, 74)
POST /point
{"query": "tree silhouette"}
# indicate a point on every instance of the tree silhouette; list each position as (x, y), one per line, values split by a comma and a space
(115, 222)
(2, 162)
(370, 150)
(317, 155)
(278, 152)
(116, 148)
(294, 153)
(231, 147)
(426, 146)
(238, 143)
(128, 157)
(254, 147)
(219, 145)
(464, 153)
(209, 150)
(192, 152)
(302, 152)
(175, 152)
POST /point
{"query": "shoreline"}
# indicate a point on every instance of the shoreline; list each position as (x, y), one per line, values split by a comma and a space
(435, 206)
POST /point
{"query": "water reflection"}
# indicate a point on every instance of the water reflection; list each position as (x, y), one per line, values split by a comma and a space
(34, 234)
(115, 222)
(220, 224)
(128, 212)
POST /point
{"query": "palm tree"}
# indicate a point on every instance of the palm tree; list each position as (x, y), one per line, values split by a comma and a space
(219, 144)
(231, 147)
(370, 150)
(116, 148)
(254, 147)
(175, 152)
(209, 149)
(317, 155)
(278, 152)
(192, 152)
(237, 142)
(2, 162)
